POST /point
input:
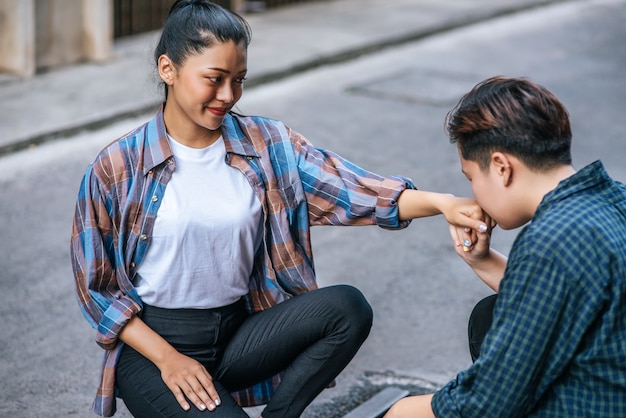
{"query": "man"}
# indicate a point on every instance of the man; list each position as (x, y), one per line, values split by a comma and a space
(557, 344)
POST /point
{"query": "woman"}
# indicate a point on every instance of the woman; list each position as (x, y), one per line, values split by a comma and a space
(191, 247)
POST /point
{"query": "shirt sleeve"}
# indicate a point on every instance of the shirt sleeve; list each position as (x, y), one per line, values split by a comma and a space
(342, 193)
(94, 263)
(539, 321)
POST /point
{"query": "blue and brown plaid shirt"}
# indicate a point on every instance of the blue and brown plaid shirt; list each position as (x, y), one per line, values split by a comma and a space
(298, 186)
(557, 346)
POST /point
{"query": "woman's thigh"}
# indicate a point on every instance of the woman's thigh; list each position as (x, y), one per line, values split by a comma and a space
(145, 394)
(269, 341)
(199, 334)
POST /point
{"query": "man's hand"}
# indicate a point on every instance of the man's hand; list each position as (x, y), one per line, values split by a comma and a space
(477, 246)
(487, 263)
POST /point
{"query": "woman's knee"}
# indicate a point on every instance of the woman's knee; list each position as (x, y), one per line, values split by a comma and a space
(352, 307)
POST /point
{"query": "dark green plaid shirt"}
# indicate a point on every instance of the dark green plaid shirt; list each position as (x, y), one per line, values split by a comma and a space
(557, 346)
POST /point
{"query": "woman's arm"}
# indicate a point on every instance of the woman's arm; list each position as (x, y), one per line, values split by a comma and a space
(93, 259)
(457, 210)
(113, 313)
(184, 376)
(342, 193)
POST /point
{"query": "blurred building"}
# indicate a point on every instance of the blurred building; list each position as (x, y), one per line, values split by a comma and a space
(36, 35)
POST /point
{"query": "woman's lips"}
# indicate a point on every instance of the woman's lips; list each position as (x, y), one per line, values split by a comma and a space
(218, 111)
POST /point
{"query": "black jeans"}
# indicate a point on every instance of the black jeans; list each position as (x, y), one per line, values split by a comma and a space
(479, 323)
(309, 339)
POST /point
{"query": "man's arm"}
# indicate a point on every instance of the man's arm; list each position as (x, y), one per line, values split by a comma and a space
(491, 269)
(412, 407)
(539, 323)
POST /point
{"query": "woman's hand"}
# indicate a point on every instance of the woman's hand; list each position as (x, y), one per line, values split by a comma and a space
(458, 211)
(184, 376)
(188, 379)
(463, 212)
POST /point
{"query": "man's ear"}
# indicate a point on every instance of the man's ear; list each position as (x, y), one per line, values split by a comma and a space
(166, 68)
(502, 165)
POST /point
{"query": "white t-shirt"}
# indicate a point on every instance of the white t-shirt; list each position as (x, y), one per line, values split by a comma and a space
(207, 230)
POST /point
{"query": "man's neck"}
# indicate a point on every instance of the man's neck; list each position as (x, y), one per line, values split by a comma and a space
(541, 183)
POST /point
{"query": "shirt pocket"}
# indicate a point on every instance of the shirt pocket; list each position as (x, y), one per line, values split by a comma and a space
(287, 198)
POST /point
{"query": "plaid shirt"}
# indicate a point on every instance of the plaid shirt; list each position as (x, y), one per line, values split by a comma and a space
(298, 186)
(557, 346)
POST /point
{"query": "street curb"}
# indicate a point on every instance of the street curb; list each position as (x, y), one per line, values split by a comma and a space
(272, 76)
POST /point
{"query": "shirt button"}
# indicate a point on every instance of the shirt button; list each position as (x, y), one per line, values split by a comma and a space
(143, 237)
(155, 198)
(132, 264)
(249, 158)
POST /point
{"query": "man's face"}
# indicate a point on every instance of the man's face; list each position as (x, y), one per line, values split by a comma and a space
(494, 193)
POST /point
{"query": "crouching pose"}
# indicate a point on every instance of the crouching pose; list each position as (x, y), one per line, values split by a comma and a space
(191, 244)
(555, 347)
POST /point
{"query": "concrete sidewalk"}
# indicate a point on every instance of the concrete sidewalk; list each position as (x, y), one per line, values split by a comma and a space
(285, 41)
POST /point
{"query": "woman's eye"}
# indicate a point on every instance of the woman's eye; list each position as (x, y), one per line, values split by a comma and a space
(215, 80)
(240, 80)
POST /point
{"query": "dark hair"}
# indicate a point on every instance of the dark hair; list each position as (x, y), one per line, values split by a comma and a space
(512, 115)
(194, 25)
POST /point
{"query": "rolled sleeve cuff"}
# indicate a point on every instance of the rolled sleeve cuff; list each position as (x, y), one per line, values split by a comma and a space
(113, 320)
(387, 212)
(443, 403)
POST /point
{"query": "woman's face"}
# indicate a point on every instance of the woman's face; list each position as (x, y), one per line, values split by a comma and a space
(205, 87)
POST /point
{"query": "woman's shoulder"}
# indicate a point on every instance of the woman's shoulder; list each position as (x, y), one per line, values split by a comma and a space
(246, 121)
(121, 153)
(260, 131)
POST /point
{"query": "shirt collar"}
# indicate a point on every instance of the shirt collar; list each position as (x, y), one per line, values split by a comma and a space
(235, 140)
(588, 177)
(158, 150)
(156, 145)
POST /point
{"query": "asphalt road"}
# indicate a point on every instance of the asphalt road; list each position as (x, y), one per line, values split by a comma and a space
(383, 111)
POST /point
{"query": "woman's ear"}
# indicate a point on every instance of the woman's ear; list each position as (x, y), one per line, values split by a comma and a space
(166, 68)
(502, 166)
